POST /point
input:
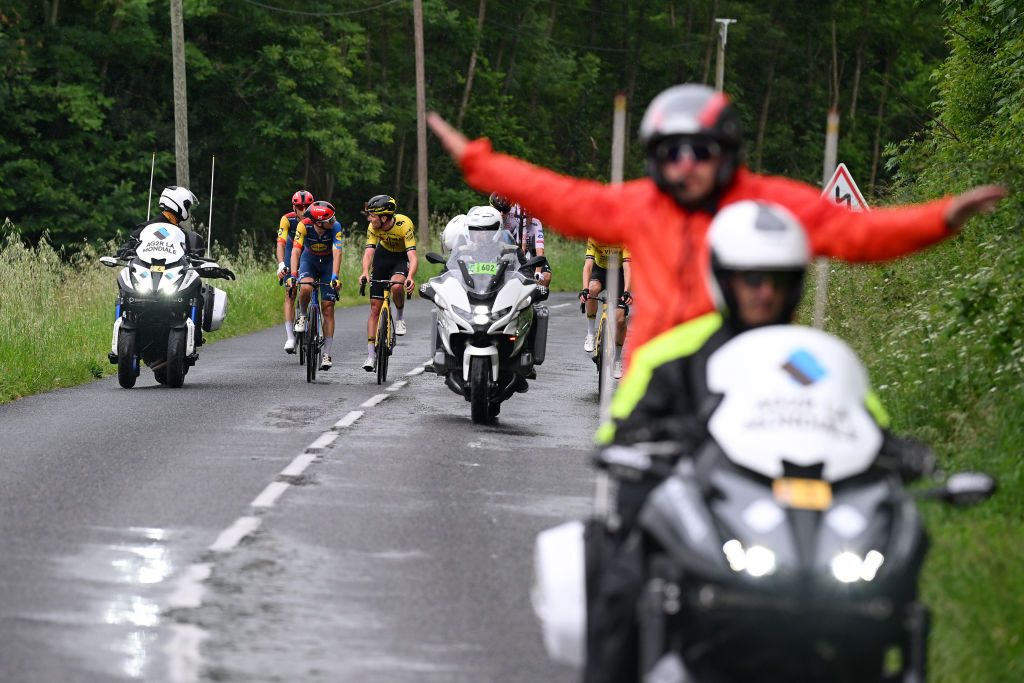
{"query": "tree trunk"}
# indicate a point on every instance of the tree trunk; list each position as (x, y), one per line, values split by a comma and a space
(305, 170)
(859, 65)
(472, 64)
(880, 116)
(401, 158)
(762, 122)
(712, 36)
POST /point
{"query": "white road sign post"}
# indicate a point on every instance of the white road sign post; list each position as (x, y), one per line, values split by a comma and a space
(841, 189)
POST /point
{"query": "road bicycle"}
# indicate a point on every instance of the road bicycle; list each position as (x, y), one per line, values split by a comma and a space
(385, 340)
(300, 337)
(311, 341)
(600, 339)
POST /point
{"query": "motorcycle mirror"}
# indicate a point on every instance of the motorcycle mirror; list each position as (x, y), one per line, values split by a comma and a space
(964, 489)
(427, 292)
(433, 257)
(108, 261)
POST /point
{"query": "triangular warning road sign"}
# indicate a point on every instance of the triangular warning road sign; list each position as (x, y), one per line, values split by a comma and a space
(842, 190)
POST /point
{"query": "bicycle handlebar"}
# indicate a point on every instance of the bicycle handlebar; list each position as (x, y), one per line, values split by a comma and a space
(372, 281)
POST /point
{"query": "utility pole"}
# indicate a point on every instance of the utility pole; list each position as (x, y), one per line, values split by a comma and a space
(828, 168)
(421, 124)
(180, 100)
(723, 37)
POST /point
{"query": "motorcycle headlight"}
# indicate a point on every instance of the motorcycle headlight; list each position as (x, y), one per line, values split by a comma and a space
(462, 313)
(849, 567)
(756, 560)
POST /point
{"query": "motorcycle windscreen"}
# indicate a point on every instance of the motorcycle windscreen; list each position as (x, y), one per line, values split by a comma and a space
(792, 394)
(483, 260)
(161, 241)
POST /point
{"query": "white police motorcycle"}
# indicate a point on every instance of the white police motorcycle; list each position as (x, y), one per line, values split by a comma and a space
(785, 548)
(162, 304)
(490, 333)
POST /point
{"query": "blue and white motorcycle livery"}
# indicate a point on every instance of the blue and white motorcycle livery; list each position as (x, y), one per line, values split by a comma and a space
(162, 304)
(784, 548)
(490, 332)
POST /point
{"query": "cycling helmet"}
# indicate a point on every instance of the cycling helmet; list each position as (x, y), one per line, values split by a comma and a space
(692, 111)
(500, 203)
(756, 236)
(302, 199)
(381, 205)
(179, 201)
(320, 212)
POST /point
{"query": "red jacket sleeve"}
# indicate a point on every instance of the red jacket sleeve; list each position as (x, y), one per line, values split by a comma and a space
(574, 207)
(876, 235)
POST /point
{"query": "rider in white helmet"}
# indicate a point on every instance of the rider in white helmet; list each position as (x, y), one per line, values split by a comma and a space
(176, 207)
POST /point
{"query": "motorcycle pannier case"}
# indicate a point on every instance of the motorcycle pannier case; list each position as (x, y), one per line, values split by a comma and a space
(216, 309)
(540, 334)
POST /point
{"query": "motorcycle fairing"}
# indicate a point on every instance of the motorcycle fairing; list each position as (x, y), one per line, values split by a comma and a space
(792, 394)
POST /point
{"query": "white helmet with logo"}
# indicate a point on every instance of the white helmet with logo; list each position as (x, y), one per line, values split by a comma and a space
(756, 236)
(179, 201)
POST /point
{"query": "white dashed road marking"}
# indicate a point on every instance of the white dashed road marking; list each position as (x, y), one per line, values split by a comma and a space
(234, 534)
(270, 494)
(298, 465)
(348, 419)
(373, 401)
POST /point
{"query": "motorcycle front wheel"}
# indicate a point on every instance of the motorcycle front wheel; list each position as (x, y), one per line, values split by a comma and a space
(175, 365)
(479, 388)
(127, 359)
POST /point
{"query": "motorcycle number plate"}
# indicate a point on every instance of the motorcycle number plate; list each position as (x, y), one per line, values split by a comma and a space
(803, 494)
(157, 269)
(483, 268)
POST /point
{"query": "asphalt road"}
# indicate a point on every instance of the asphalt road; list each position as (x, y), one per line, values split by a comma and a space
(233, 530)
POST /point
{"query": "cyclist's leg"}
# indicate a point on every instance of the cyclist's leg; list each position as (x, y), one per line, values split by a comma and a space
(399, 271)
(307, 274)
(596, 285)
(289, 302)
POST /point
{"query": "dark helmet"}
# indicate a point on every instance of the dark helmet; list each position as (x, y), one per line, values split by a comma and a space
(756, 240)
(500, 203)
(382, 205)
(696, 112)
(320, 212)
(302, 199)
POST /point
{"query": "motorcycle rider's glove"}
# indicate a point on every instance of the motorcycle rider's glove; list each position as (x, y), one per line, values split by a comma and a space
(916, 458)
(282, 272)
(335, 283)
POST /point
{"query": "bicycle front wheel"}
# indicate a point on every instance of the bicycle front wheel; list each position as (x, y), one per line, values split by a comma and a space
(312, 344)
(383, 348)
(599, 350)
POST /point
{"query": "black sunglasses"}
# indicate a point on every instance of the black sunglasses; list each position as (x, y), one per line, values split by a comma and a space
(780, 279)
(675, 149)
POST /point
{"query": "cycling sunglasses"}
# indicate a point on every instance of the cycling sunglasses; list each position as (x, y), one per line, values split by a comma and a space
(675, 149)
(780, 279)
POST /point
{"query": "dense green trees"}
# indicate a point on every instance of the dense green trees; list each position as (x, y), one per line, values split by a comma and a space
(290, 95)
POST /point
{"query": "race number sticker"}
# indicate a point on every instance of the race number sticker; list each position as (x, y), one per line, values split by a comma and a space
(483, 268)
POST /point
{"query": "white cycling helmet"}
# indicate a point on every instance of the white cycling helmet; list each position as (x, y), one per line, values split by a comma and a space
(454, 232)
(179, 201)
(756, 236)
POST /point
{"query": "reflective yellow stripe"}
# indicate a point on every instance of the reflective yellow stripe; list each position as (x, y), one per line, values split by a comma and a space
(682, 340)
(877, 410)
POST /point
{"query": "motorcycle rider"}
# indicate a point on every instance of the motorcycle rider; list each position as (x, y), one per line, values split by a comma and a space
(176, 207)
(693, 142)
(285, 234)
(527, 233)
(758, 255)
(316, 256)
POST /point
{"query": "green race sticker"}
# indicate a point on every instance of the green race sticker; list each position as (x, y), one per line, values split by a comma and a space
(483, 268)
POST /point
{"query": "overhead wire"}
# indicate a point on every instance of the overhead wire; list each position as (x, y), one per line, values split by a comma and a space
(285, 10)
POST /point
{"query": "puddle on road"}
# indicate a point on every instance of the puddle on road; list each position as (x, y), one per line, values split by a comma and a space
(114, 626)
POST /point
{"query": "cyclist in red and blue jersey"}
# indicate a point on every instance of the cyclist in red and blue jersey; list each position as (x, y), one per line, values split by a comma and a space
(285, 234)
(316, 256)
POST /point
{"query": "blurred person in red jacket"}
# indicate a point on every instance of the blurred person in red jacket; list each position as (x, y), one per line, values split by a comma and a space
(693, 142)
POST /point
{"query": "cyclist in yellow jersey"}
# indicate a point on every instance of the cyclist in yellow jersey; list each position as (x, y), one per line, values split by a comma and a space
(595, 272)
(391, 252)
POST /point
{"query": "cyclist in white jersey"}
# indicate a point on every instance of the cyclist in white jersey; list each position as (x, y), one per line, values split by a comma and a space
(526, 230)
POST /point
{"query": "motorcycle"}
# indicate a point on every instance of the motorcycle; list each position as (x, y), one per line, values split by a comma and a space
(162, 306)
(489, 334)
(785, 547)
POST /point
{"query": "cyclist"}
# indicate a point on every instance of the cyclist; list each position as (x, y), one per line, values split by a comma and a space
(285, 234)
(595, 274)
(316, 256)
(526, 231)
(693, 143)
(391, 252)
